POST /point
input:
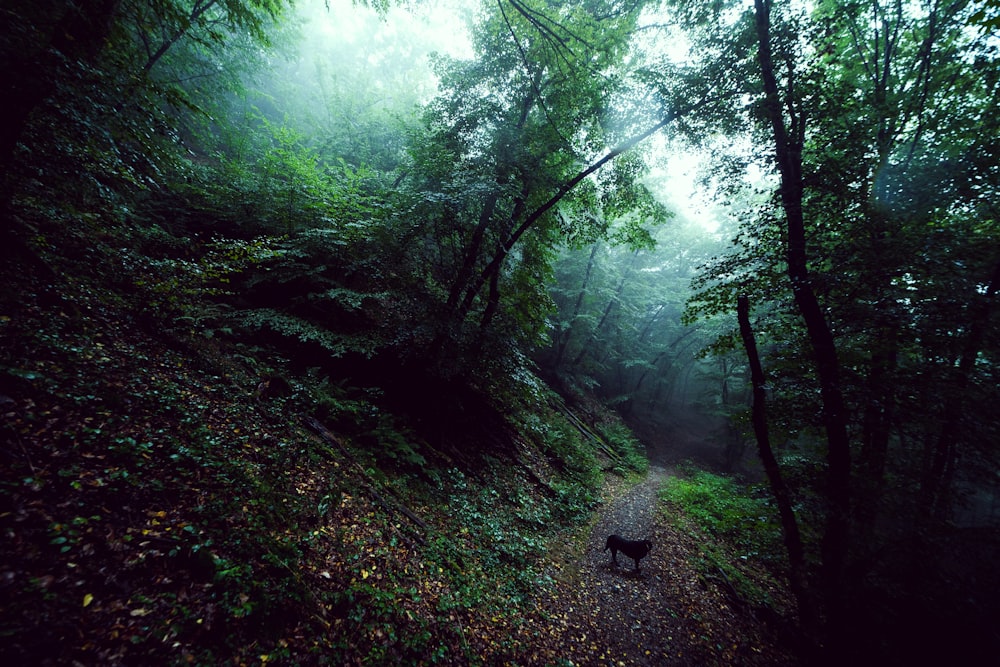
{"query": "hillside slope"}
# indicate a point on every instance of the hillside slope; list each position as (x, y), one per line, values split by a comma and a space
(160, 506)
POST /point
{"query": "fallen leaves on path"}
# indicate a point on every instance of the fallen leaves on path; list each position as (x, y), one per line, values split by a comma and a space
(664, 614)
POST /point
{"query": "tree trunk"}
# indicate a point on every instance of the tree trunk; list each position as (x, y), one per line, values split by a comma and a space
(782, 496)
(876, 429)
(788, 153)
(473, 249)
(196, 12)
(493, 304)
(586, 347)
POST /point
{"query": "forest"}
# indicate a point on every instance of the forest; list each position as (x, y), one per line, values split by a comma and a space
(344, 332)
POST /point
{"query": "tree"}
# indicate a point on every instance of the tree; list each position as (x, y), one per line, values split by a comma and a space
(782, 494)
(788, 126)
(617, 325)
(868, 110)
(518, 143)
(157, 26)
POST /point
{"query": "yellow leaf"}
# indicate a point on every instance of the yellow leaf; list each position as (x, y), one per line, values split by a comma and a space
(87, 599)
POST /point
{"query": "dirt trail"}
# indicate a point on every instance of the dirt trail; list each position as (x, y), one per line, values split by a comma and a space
(664, 614)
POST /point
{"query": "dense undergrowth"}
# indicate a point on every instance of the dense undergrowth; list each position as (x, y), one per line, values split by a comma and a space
(161, 505)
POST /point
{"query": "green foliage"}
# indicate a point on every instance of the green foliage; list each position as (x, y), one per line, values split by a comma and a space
(153, 180)
(399, 445)
(339, 404)
(729, 511)
(268, 180)
(575, 501)
(188, 235)
(743, 530)
(297, 301)
(180, 284)
(887, 173)
(263, 321)
(508, 132)
(561, 441)
(618, 329)
(356, 99)
(132, 428)
(987, 17)
(505, 544)
(621, 439)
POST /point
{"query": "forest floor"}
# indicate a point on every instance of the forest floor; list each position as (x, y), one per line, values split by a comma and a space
(669, 612)
(149, 506)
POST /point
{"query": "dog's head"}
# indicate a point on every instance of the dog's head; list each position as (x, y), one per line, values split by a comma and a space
(647, 546)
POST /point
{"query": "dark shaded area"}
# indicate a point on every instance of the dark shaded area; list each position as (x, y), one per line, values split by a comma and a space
(930, 599)
(688, 435)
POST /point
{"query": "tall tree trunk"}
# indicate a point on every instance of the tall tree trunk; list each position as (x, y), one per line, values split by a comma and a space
(788, 153)
(493, 303)
(650, 321)
(876, 429)
(473, 248)
(782, 495)
(504, 169)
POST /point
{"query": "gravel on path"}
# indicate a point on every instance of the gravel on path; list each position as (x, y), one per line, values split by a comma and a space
(664, 614)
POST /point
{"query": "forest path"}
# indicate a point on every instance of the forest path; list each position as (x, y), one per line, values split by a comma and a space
(664, 614)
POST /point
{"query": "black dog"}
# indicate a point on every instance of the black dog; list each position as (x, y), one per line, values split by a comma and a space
(636, 550)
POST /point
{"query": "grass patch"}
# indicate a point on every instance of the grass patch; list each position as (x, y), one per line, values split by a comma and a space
(746, 551)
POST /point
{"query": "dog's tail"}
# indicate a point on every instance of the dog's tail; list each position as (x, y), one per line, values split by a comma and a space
(607, 545)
